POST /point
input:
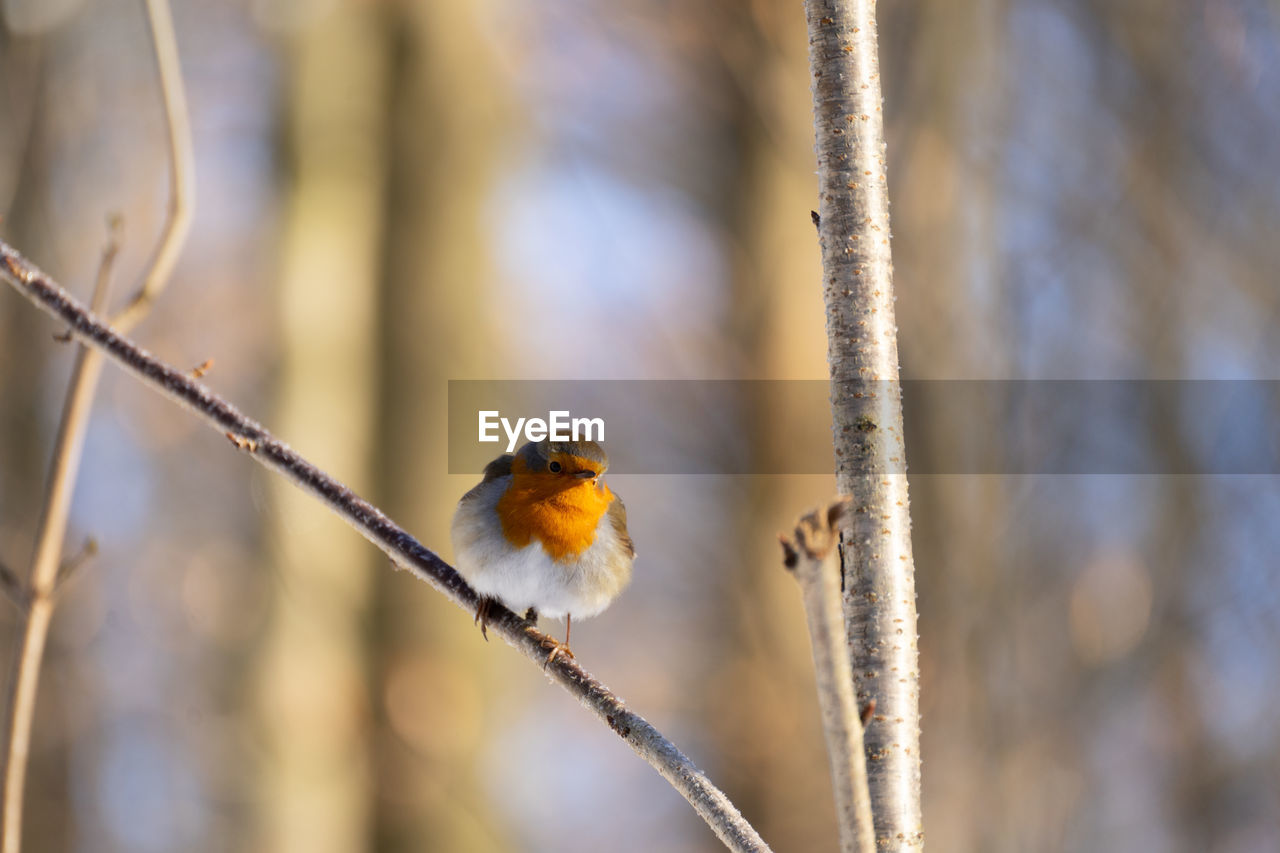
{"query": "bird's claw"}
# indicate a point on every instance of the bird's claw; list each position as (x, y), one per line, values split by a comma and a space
(482, 616)
(557, 648)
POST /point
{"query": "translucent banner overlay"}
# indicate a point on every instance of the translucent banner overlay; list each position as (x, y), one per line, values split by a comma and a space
(737, 427)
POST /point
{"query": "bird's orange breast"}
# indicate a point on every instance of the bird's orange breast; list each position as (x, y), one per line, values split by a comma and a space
(562, 518)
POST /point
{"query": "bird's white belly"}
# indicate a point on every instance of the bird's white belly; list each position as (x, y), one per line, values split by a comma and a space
(528, 577)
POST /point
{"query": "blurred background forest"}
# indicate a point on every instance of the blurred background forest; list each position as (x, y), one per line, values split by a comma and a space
(395, 194)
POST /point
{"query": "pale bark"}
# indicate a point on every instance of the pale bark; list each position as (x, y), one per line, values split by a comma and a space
(879, 585)
(814, 560)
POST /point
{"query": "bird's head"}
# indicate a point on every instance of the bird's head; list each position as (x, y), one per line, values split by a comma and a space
(563, 464)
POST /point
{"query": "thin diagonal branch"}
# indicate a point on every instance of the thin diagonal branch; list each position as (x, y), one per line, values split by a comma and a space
(182, 171)
(862, 350)
(405, 551)
(45, 562)
(814, 561)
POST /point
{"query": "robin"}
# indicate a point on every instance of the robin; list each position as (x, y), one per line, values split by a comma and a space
(543, 534)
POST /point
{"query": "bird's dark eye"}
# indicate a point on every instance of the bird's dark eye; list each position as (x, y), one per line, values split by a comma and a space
(555, 467)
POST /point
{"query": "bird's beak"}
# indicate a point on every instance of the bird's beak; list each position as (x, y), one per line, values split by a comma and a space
(585, 475)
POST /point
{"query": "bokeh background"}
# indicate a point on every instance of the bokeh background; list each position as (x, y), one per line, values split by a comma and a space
(395, 194)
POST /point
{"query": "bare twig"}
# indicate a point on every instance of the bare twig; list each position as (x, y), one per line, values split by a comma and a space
(814, 561)
(12, 588)
(707, 800)
(879, 573)
(71, 566)
(182, 181)
(38, 597)
(48, 554)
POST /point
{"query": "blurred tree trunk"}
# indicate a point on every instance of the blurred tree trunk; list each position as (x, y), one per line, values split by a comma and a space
(1199, 812)
(311, 682)
(447, 118)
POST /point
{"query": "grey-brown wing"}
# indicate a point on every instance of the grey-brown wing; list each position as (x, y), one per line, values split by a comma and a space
(499, 467)
(618, 518)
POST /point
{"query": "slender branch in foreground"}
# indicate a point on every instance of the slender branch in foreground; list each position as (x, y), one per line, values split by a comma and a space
(814, 561)
(405, 551)
(182, 170)
(862, 349)
(39, 596)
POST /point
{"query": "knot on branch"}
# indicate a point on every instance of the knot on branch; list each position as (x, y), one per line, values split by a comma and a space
(816, 533)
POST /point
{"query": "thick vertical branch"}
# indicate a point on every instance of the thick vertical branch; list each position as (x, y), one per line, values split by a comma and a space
(814, 561)
(879, 584)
